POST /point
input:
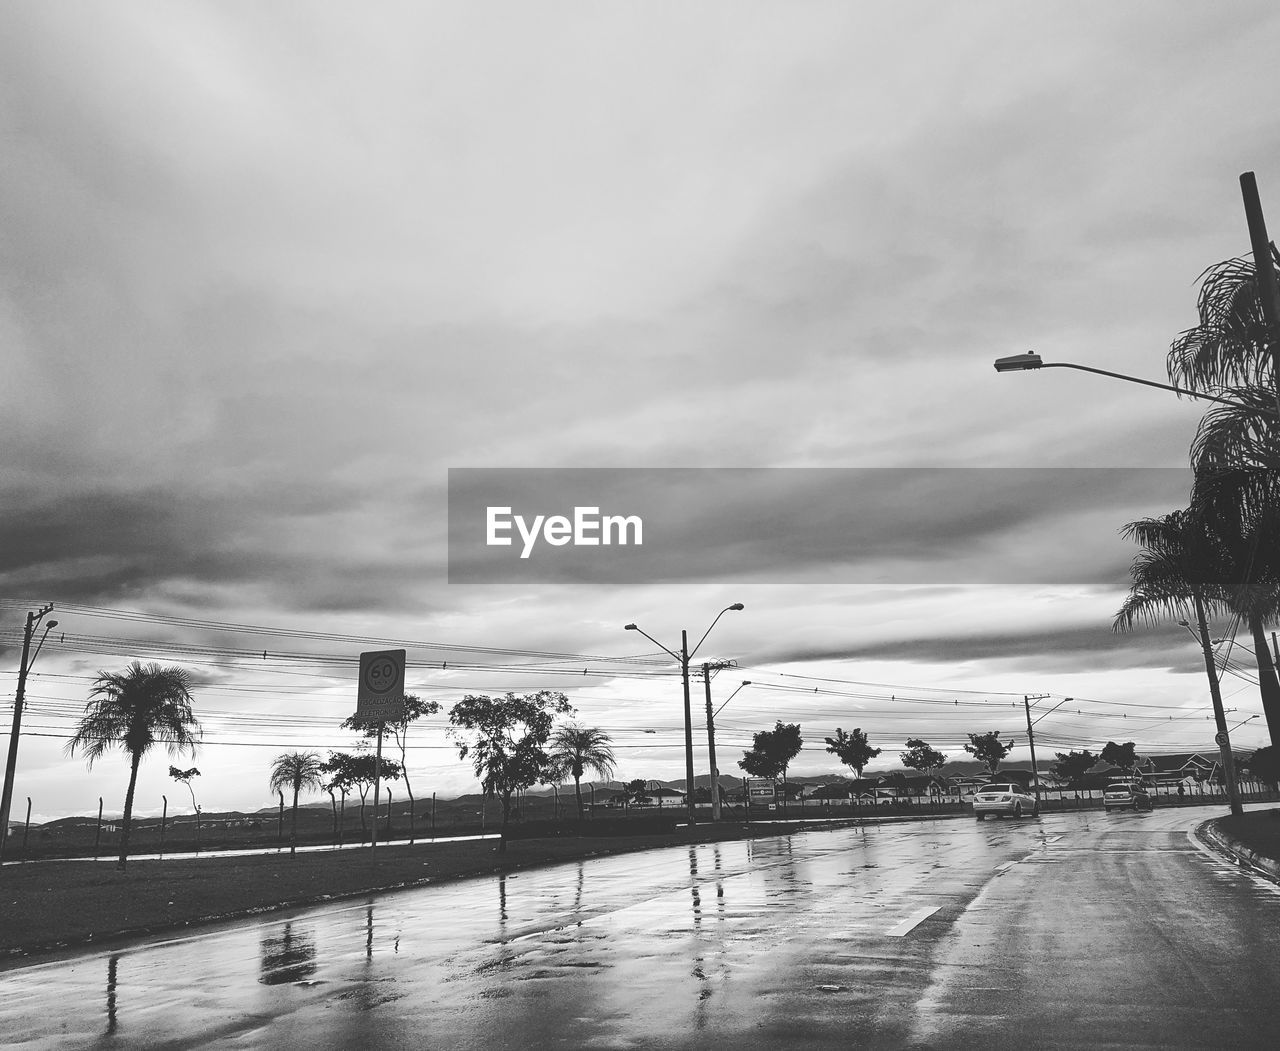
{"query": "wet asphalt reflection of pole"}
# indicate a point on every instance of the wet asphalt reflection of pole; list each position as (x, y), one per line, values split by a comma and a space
(937, 933)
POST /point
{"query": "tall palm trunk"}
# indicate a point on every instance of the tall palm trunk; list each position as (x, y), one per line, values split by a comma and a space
(293, 836)
(577, 791)
(1268, 684)
(1219, 715)
(135, 759)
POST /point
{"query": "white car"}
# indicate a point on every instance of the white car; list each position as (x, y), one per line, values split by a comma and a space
(1004, 798)
(1126, 795)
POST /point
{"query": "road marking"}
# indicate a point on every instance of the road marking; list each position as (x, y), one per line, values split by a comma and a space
(1052, 839)
(911, 922)
(1006, 866)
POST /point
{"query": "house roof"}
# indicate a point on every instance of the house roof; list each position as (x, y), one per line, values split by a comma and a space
(1180, 761)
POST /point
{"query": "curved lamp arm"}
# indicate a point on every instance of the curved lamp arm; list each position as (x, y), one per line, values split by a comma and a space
(1031, 361)
(736, 606)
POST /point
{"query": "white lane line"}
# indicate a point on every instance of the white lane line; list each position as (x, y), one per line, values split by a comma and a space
(1052, 839)
(911, 922)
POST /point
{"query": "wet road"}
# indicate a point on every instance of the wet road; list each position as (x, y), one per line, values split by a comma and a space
(1079, 930)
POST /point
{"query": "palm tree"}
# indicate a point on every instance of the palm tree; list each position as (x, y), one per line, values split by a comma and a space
(136, 709)
(1179, 570)
(296, 770)
(575, 749)
(1232, 345)
(1236, 454)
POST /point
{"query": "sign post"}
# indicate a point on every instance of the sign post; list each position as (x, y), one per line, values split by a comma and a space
(380, 699)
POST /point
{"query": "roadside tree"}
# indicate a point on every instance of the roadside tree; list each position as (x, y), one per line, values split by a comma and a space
(505, 738)
(919, 756)
(184, 777)
(852, 749)
(1125, 756)
(414, 709)
(296, 770)
(1264, 765)
(1072, 766)
(135, 710)
(772, 751)
(989, 749)
(357, 771)
(1235, 457)
(575, 749)
(637, 790)
(1188, 571)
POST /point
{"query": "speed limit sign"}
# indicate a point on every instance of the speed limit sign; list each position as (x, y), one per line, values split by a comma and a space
(381, 692)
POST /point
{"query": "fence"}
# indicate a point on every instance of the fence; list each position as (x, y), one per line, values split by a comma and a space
(81, 837)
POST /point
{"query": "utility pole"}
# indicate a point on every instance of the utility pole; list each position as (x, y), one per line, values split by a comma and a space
(688, 730)
(1268, 291)
(1031, 739)
(11, 763)
(684, 656)
(1222, 737)
(707, 669)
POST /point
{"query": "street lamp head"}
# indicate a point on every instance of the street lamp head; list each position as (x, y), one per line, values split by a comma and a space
(746, 682)
(51, 624)
(737, 605)
(629, 627)
(1019, 363)
(1183, 624)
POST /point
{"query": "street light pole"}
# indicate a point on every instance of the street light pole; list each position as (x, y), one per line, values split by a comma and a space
(1031, 739)
(684, 657)
(11, 762)
(1030, 361)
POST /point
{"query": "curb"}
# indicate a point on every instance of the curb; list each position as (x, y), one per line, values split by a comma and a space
(1235, 851)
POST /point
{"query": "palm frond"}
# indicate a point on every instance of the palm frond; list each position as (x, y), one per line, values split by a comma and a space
(134, 710)
(1230, 346)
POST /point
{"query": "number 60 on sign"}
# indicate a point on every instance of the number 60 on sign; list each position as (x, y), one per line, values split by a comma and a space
(381, 692)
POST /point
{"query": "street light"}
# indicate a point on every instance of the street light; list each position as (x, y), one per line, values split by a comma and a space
(1031, 361)
(11, 763)
(684, 656)
(1031, 735)
(745, 682)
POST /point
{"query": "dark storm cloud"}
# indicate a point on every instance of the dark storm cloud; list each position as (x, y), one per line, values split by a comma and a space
(816, 525)
(105, 547)
(1070, 649)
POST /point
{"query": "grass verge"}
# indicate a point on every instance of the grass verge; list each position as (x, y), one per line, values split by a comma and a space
(57, 904)
(1258, 830)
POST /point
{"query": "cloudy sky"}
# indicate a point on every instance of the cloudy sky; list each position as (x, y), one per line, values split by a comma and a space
(269, 272)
